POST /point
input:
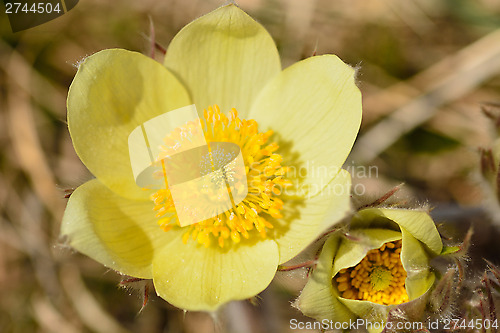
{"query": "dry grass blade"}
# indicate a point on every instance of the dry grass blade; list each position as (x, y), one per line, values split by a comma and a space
(50, 95)
(90, 311)
(466, 70)
(25, 140)
(50, 319)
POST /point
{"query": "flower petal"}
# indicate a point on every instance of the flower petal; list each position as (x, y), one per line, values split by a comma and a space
(223, 58)
(416, 222)
(113, 92)
(192, 277)
(316, 215)
(319, 299)
(372, 312)
(350, 253)
(315, 108)
(121, 234)
(415, 261)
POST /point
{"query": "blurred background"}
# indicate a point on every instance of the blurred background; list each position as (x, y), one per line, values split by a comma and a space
(426, 68)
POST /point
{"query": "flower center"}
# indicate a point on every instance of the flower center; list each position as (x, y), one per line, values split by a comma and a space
(264, 176)
(378, 278)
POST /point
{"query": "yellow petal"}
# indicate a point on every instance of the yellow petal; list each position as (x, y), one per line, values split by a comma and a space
(373, 312)
(192, 277)
(315, 107)
(350, 253)
(415, 261)
(417, 222)
(113, 92)
(316, 215)
(318, 299)
(223, 58)
(121, 234)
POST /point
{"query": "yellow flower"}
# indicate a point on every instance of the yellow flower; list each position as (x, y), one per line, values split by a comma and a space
(385, 263)
(302, 119)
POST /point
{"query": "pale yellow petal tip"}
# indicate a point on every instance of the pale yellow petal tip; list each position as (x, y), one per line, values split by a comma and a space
(110, 229)
(320, 93)
(192, 277)
(112, 93)
(234, 53)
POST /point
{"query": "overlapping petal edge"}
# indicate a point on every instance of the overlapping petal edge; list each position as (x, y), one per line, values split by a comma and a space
(111, 220)
(375, 226)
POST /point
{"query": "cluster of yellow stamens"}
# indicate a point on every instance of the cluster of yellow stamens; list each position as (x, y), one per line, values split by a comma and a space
(378, 278)
(264, 176)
